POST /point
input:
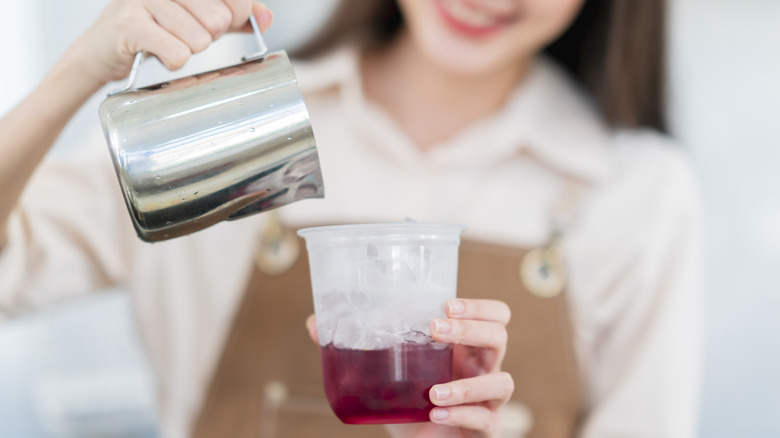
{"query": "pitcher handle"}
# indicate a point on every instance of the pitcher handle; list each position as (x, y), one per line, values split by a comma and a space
(262, 48)
(139, 57)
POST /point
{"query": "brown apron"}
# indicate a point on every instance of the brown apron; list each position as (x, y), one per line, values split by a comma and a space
(268, 381)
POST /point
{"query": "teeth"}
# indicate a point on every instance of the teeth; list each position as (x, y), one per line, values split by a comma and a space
(468, 16)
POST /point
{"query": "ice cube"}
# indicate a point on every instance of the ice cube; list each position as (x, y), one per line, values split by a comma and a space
(371, 251)
(347, 334)
(415, 337)
(380, 338)
(330, 307)
(363, 331)
(403, 273)
(325, 330)
(332, 301)
(359, 300)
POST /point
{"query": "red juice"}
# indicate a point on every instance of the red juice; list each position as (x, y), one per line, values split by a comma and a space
(384, 386)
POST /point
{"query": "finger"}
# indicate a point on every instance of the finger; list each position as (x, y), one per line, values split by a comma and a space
(311, 326)
(181, 24)
(169, 50)
(467, 332)
(215, 16)
(240, 10)
(263, 15)
(495, 388)
(482, 310)
(478, 418)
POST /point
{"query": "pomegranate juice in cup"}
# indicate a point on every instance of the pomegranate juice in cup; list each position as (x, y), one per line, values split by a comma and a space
(376, 287)
(367, 386)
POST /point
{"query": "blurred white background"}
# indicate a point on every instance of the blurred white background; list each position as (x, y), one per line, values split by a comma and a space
(62, 377)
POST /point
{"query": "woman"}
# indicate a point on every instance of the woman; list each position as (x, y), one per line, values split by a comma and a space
(580, 216)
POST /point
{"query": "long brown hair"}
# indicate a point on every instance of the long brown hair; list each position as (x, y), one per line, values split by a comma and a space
(614, 48)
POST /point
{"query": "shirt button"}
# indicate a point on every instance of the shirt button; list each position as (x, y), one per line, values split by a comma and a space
(542, 272)
(278, 250)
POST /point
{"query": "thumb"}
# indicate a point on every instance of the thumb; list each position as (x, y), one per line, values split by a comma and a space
(263, 15)
(311, 326)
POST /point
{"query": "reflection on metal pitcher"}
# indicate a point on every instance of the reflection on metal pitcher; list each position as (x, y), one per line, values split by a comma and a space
(216, 146)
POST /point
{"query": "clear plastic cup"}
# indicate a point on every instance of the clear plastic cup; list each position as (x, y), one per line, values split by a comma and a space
(376, 287)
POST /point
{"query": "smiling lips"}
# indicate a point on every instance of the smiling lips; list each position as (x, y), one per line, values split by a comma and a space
(469, 18)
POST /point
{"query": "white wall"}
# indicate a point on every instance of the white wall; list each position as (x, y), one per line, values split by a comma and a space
(33, 34)
(725, 107)
(18, 71)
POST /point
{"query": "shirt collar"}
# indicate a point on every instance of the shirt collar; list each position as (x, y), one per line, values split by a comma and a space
(548, 116)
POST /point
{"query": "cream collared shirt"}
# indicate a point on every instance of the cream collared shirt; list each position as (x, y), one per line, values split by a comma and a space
(632, 247)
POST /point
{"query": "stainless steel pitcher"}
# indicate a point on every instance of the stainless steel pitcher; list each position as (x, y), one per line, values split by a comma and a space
(216, 146)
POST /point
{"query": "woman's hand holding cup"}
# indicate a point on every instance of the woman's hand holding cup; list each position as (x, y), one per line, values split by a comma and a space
(469, 405)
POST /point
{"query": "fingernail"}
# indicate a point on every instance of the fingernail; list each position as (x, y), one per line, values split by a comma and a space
(441, 392)
(456, 307)
(442, 326)
(265, 19)
(439, 414)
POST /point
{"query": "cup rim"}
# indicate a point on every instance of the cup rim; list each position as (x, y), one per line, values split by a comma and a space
(382, 227)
